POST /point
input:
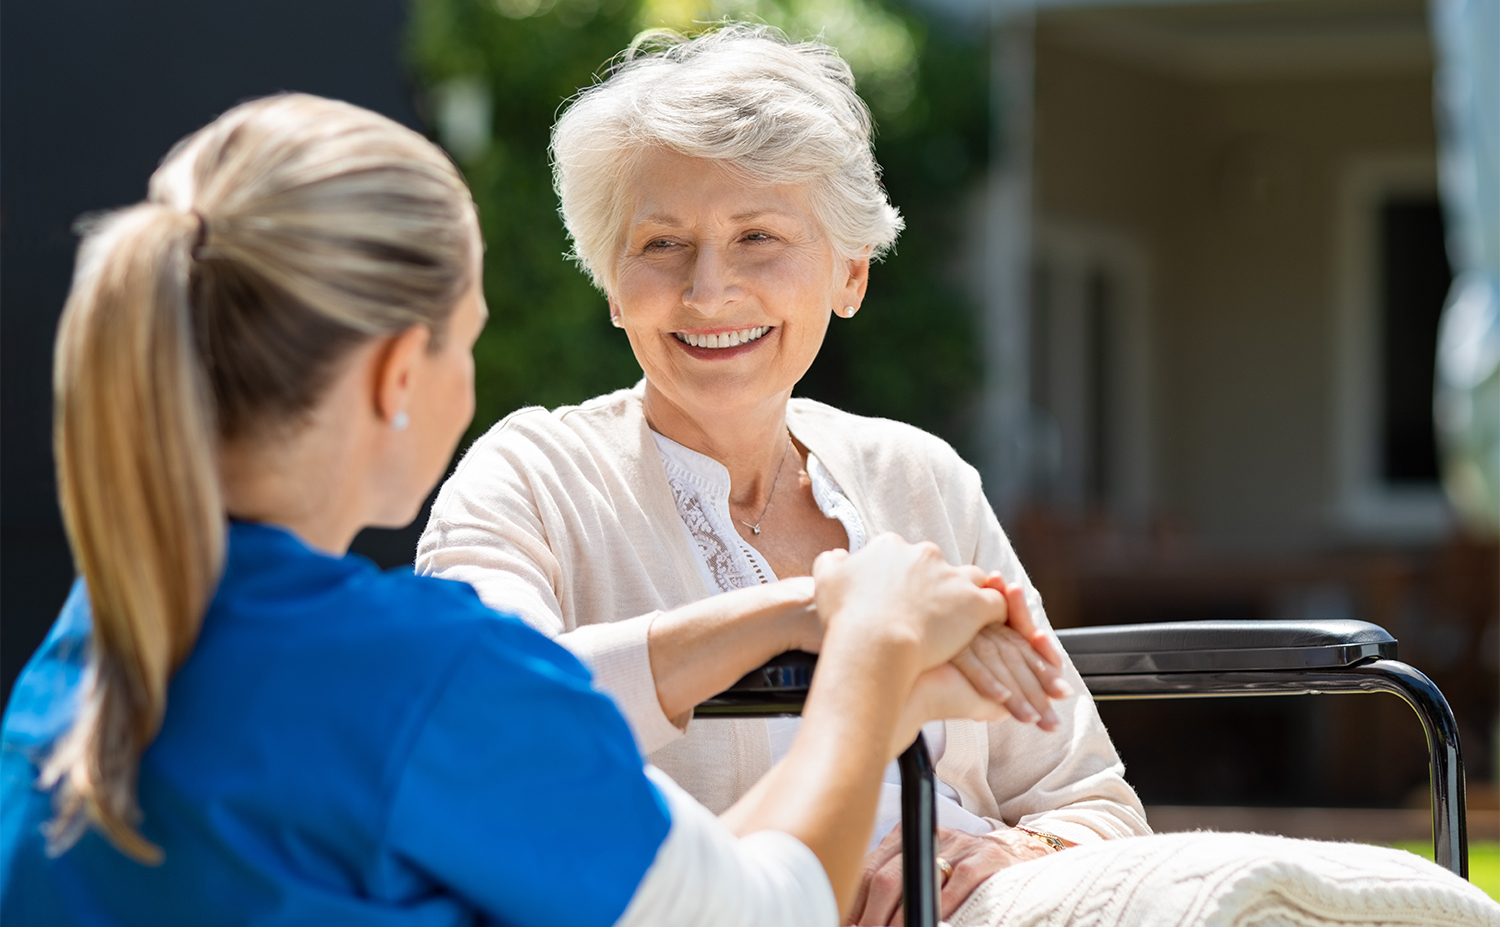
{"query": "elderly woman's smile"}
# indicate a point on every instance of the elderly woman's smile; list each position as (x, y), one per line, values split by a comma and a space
(724, 285)
(719, 342)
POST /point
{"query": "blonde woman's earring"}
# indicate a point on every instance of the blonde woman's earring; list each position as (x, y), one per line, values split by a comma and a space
(848, 312)
(400, 420)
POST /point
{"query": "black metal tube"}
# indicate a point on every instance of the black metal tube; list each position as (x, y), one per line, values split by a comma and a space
(1450, 827)
(919, 835)
(1450, 818)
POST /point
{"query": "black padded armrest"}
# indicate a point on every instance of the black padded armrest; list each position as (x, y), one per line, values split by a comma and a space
(1209, 646)
(778, 687)
(791, 671)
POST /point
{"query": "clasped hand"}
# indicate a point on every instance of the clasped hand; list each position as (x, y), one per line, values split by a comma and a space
(981, 626)
(984, 657)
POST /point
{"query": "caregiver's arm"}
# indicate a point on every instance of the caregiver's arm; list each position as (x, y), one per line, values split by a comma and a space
(704, 874)
(896, 613)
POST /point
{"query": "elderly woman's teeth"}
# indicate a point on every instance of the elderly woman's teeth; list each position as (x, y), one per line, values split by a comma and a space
(724, 339)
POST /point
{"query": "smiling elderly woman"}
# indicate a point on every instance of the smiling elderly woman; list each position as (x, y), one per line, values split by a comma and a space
(724, 195)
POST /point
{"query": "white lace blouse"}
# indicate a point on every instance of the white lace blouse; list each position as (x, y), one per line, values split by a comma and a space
(700, 485)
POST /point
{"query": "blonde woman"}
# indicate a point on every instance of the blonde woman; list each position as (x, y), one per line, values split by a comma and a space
(723, 193)
(234, 721)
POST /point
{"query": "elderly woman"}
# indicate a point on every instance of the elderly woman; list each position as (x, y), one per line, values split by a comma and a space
(723, 194)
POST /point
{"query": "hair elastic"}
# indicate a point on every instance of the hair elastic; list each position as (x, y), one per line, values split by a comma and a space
(202, 238)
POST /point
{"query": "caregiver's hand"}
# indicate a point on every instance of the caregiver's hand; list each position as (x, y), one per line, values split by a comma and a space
(939, 694)
(973, 858)
(894, 611)
(906, 592)
(1016, 664)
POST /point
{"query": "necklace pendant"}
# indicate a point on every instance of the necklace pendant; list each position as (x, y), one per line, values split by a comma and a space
(755, 528)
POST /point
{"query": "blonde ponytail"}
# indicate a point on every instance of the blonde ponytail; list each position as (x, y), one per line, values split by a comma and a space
(140, 498)
(274, 241)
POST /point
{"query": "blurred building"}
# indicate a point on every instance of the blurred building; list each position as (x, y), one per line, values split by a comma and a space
(1224, 219)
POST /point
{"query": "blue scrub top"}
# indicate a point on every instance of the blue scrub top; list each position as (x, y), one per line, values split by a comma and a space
(343, 746)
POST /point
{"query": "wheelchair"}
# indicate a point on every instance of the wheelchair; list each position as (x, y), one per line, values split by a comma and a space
(1168, 660)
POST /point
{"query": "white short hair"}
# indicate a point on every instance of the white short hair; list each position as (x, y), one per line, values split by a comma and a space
(776, 111)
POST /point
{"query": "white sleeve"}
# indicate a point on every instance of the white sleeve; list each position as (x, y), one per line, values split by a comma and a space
(703, 874)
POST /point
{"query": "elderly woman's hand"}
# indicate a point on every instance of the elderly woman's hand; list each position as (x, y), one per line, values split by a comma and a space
(1016, 664)
(909, 593)
(973, 859)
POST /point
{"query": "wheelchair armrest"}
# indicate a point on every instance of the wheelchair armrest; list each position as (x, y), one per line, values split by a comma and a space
(1215, 646)
(776, 688)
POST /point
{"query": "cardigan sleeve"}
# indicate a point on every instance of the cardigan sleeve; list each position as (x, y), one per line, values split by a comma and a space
(487, 530)
(1069, 782)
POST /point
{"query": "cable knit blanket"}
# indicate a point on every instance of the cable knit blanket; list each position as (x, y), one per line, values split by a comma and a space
(1205, 879)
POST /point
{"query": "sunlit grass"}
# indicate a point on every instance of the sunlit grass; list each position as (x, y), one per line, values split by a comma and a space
(1484, 862)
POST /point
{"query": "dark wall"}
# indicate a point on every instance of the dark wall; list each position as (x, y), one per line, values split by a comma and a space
(93, 94)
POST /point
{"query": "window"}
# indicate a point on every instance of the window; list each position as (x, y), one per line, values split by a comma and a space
(1392, 280)
(1089, 372)
(1414, 280)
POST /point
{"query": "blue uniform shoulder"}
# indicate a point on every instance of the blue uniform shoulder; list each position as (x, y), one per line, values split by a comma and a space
(323, 699)
(44, 698)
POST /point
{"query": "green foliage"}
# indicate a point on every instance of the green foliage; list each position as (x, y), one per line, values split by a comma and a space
(549, 340)
(911, 354)
(913, 351)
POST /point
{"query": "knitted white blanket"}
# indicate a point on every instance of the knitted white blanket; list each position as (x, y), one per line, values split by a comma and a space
(1208, 879)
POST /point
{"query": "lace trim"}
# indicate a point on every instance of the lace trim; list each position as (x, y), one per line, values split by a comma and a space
(728, 573)
(700, 487)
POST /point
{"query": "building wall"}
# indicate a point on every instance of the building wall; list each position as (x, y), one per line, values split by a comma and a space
(1230, 189)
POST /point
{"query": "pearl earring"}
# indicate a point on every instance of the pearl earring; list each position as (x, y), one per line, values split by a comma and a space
(848, 312)
(400, 420)
(615, 321)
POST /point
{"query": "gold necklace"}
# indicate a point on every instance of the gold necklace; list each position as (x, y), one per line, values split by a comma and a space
(779, 467)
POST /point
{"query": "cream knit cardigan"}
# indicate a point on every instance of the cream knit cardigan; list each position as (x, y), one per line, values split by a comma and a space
(566, 519)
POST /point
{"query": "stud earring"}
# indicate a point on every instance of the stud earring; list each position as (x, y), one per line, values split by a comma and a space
(400, 420)
(848, 312)
(615, 321)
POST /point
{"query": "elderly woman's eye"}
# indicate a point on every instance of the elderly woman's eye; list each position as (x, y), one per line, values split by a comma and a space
(760, 236)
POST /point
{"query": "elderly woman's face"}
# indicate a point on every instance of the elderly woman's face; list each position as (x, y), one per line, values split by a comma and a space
(724, 287)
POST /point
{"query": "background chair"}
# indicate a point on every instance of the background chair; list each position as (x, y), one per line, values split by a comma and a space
(1186, 659)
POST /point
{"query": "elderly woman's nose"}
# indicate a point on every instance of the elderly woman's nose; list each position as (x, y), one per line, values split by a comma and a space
(712, 283)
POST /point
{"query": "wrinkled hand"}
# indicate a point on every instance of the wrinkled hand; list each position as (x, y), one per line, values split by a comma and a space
(907, 591)
(973, 858)
(1016, 664)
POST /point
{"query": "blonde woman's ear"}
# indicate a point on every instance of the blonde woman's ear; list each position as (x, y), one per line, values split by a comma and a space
(614, 314)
